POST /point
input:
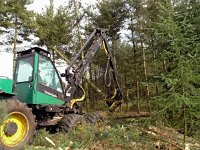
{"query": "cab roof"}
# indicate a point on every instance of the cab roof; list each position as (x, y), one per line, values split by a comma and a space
(33, 50)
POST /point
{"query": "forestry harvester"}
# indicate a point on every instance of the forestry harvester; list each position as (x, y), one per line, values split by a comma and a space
(37, 97)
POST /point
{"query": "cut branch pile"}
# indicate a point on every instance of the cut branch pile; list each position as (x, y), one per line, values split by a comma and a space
(169, 138)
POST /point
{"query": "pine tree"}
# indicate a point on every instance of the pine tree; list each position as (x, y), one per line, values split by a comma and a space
(4, 22)
(54, 28)
(180, 103)
(138, 37)
(15, 16)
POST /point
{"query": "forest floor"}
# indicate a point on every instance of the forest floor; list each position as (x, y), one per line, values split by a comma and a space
(121, 131)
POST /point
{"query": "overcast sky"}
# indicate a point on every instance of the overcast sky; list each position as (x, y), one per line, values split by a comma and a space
(6, 64)
(38, 5)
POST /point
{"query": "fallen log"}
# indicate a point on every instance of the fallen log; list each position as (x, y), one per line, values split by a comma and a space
(132, 115)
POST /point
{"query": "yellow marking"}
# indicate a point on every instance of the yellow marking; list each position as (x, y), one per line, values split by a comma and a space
(115, 92)
(73, 101)
(114, 106)
(104, 47)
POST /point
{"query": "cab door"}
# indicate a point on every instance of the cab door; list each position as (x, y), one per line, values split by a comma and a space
(49, 87)
(23, 80)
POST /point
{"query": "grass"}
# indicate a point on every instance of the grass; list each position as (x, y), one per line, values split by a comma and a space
(3, 108)
(117, 135)
(89, 137)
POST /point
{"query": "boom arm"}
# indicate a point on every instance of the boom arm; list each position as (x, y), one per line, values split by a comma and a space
(96, 39)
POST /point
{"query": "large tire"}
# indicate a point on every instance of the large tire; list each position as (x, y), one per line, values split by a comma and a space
(18, 126)
(70, 122)
(96, 119)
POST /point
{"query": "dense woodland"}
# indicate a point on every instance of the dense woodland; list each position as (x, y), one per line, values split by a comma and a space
(156, 46)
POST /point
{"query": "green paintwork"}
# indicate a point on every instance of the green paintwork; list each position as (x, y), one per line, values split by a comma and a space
(6, 85)
(42, 98)
(25, 92)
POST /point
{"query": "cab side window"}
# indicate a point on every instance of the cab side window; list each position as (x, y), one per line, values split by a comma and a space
(24, 69)
(47, 74)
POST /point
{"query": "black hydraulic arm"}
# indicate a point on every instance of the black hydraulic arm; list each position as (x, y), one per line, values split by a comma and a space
(96, 39)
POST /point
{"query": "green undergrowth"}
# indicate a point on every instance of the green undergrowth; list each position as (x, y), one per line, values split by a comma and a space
(3, 108)
(120, 134)
(87, 136)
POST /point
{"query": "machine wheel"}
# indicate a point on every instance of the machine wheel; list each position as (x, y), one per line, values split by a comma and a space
(70, 122)
(95, 118)
(18, 126)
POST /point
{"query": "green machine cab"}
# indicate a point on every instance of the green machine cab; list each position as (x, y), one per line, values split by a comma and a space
(36, 79)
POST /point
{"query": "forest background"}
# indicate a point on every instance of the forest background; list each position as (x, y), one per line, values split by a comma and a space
(156, 46)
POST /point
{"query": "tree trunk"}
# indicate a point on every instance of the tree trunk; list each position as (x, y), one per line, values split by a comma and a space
(92, 103)
(138, 93)
(155, 66)
(145, 75)
(126, 92)
(164, 65)
(135, 69)
(87, 101)
(15, 47)
(114, 51)
(53, 56)
(95, 81)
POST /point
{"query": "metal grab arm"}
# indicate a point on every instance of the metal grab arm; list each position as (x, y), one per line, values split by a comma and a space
(96, 39)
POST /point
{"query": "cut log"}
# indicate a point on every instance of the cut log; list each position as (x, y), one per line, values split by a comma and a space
(132, 115)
